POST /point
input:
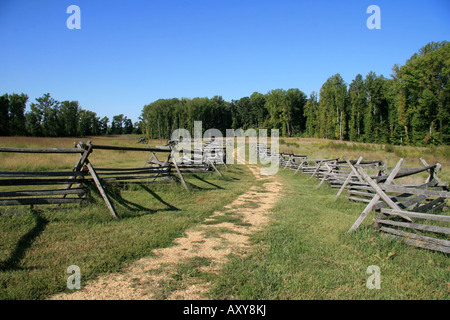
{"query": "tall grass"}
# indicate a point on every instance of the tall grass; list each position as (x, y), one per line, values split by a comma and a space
(321, 148)
(47, 162)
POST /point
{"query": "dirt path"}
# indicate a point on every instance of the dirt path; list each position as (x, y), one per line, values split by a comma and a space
(208, 244)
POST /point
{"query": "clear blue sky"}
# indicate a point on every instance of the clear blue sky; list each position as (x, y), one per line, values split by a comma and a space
(130, 53)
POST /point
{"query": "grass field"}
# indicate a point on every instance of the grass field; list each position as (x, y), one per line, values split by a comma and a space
(304, 253)
(320, 148)
(36, 249)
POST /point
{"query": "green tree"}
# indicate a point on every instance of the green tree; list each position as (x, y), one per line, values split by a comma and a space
(310, 113)
(17, 120)
(48, 110)
(34, 121)
(69, 117)
(89, 123)
(127, 126)
(376, 126)
(333, 108)
(258, 109)
(276, 106)
(243, 112)
(358, 103)
(424, 97)
(117, 124)
(103, 125)
(392, 98)
(295, 103)
(4, 115)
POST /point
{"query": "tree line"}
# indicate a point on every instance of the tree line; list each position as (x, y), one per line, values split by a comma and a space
(411, 107)
(48, 117)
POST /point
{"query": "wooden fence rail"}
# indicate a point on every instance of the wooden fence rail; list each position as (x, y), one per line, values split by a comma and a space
(73, 186)
(408, 212)
(412, 204)
(400, 208)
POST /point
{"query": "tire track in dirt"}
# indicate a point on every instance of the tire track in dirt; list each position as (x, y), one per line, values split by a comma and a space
(153, 277)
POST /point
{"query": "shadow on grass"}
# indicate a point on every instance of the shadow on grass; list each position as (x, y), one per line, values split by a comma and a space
(115, 194)
(207, 182)
(24, 243)
(157, 197)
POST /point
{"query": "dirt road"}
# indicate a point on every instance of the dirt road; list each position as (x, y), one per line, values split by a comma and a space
(154, 277)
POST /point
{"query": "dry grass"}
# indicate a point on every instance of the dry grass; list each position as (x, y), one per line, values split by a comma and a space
(46, 162)
(322, 148)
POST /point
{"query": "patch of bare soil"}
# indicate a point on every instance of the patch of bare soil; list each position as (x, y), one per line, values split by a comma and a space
(224, 232)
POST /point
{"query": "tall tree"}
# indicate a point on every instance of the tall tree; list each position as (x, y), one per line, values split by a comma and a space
(258, 109)
(69, 117)
(333, 108)
(358, 102)
(243, 111)
(127, 126)
(424, 97)
(276, 106)
(103, 125)
(4, 115)
(376, 126)
(17, 120)
(117, 124)
(295, 103)
(311, 114)
(89, 123)
(34, 121)
(392, 97)
(48, 108)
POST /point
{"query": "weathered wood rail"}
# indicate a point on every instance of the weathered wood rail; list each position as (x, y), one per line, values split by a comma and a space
(199, 161)
(404, 211)
(16, 181)
(292, 161)
(410, 212)
(65, 187)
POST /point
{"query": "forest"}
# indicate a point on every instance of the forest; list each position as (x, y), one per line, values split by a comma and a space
(48, 117)
(412, 107)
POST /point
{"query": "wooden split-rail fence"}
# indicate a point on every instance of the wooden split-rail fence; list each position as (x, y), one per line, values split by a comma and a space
(64, 187)
(264, 153)
(408, 211)
(412, 212)
(210, 151)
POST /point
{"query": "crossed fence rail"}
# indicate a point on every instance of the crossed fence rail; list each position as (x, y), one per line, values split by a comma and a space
(64, 187)
(412, 212)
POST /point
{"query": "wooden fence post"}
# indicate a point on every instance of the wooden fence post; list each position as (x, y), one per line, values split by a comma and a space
(81, 161)
(325, 176)
(100, 189)
(350, 175)
(178, 171)
(376, 198)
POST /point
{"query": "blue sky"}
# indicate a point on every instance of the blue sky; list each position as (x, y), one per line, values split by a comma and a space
(130, 53)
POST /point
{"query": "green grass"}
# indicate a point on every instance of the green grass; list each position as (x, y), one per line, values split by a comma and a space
(306, 253)
(184, 274)
(36, 248)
